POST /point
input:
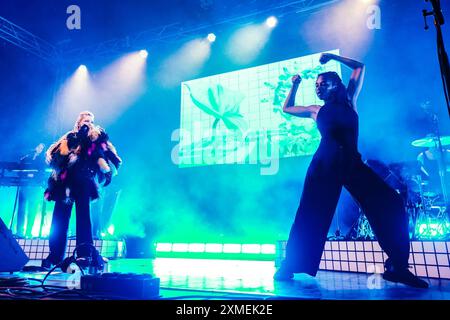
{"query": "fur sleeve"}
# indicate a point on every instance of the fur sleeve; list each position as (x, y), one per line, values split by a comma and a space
(57, 152)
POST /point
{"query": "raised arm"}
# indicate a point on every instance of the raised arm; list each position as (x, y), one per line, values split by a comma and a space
(298, 111)
(357, 77)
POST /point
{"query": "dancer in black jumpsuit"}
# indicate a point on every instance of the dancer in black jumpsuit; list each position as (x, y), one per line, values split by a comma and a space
(337, 163)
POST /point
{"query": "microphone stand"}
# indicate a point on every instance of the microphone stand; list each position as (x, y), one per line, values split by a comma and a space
(442, 163)
(442, 54)
(444, 215)
(439, 154)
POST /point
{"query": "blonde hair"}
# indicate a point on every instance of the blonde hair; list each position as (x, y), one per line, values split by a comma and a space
(62, 146)
(94, 131)
(81, 116)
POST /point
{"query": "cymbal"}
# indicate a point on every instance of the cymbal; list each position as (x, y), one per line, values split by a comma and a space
(431, 142)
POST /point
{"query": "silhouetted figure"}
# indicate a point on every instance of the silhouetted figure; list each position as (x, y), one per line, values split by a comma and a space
(429, 166)
(335, 164)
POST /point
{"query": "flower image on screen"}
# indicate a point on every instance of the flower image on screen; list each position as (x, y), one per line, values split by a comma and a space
(237, 117)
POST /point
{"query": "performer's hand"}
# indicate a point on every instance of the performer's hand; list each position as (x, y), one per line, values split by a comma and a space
(325, 57)
(83, 131)
(103, 165)
(72, 141)
(72, 158)
(108, 178)
(296, 79)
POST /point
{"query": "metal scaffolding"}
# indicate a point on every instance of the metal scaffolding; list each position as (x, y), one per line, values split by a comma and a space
(175, 32)
(234, 14)
(28, 41)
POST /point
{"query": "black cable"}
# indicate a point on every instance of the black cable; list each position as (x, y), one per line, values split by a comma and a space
(67, 291)
(22, 293)
(19, 288)
(72, 259)
(51, 270)
(34, 279)
(31, 292)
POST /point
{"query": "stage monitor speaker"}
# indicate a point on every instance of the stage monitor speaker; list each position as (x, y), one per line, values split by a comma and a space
(139, 248)
(12, 257)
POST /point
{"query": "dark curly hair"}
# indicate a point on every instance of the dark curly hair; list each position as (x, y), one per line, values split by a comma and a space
(341, 92)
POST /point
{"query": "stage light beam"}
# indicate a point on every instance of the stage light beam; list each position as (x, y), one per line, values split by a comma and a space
(184, 63)
(119, 85)
(143, 54)
(342, 26)
(211, 37)
(111, 229)
(75, 95)
(247, 42)
(82, 69)
(271, 22)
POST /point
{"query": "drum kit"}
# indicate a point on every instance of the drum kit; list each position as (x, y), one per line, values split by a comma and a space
(427, 201)
(424, 187)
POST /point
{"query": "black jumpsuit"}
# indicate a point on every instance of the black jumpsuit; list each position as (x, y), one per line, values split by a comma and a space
(335, 164)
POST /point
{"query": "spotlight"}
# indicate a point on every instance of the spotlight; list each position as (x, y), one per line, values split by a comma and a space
(211, 37)
(82, 68)
(271, 22)
(111, 229)
(143, 53)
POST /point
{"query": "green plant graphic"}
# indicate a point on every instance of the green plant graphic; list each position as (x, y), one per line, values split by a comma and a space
(281, 88)
(297, 136)
(223, 104)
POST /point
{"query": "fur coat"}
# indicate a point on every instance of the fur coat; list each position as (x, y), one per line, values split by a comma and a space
(80, 161)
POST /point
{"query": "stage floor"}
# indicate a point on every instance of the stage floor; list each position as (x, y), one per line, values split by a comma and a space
(201, 279)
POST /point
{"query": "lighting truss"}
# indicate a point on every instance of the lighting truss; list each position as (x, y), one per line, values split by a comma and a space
(175, 32)
(28, 41)
(168, 33)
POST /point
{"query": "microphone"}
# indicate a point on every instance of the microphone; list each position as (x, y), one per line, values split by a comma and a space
(437, 11)
(84, 130)
(26, 155)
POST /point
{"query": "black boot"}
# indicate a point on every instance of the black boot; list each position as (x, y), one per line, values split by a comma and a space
(283, 274)
(49, 262)
(402, 275)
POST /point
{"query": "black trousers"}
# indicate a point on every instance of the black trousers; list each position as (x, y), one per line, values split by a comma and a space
(382, 206)
(60, 226)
